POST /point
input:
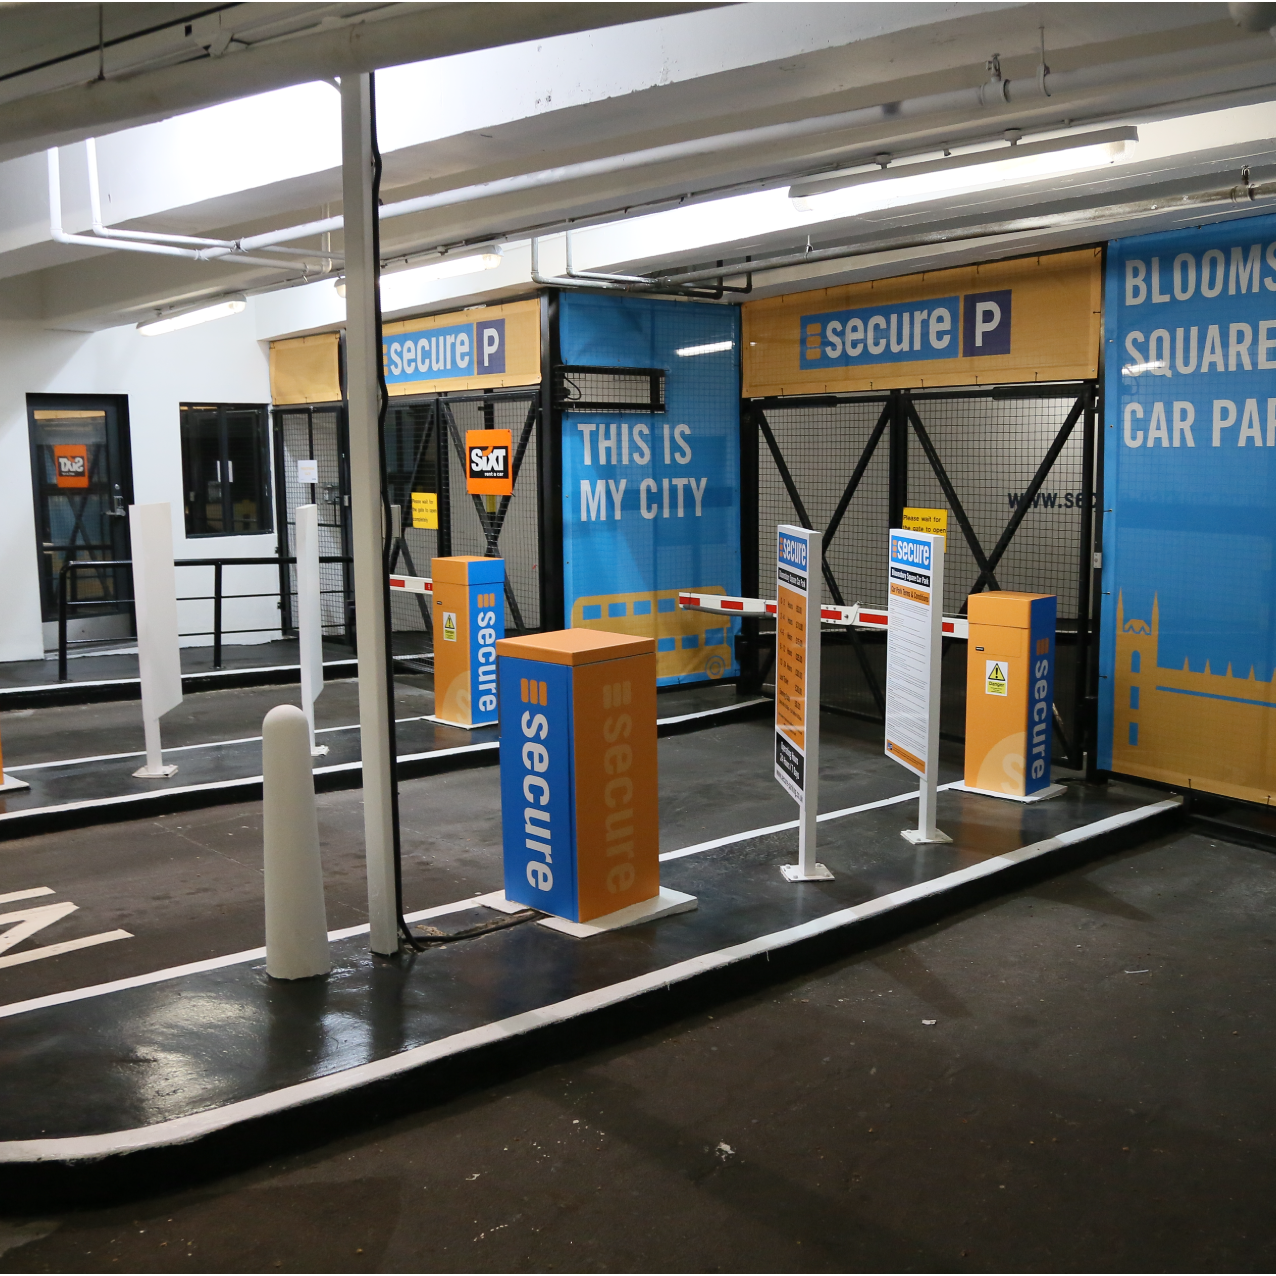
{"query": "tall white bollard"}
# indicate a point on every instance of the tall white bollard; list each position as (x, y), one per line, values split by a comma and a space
(296, 920)
(155, 603)
(309, 616)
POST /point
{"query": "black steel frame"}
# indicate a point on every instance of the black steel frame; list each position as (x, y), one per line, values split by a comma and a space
(287, 620)
(898, 417)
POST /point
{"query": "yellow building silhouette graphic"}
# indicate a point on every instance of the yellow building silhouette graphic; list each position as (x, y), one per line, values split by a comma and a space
(687, 642)
(1211, 731)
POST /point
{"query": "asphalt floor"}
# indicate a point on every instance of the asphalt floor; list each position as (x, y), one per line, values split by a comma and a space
(1073, 1077)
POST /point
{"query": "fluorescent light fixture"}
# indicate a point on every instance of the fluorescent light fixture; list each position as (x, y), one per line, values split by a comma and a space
(443, 268)
(712, 348)
(189, 318)
(930, 179)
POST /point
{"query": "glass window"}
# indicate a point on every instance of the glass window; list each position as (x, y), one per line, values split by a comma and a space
(225, 473)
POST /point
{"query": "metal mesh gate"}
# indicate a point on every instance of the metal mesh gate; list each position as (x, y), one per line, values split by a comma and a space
(315, 434)
(1012, 465)
(425, 442)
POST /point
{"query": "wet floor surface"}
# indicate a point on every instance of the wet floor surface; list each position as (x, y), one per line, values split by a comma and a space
(1074, 1077)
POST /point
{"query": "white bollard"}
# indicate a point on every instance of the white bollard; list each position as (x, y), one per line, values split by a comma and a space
(296, 920)
(309, 616)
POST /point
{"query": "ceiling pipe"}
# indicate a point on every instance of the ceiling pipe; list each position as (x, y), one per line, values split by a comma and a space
(58, 235)
(225, 246)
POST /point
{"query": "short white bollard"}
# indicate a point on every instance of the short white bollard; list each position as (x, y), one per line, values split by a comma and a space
(296, 920)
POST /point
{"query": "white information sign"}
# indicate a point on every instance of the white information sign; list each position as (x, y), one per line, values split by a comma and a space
(799, 552)
(913, 649)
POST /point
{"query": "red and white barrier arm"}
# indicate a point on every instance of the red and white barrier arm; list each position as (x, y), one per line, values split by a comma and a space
(412, 584)
(860, 617)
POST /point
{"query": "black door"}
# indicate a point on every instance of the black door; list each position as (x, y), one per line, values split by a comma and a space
(82, 475)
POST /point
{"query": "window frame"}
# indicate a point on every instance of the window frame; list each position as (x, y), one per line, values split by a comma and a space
(265, 501)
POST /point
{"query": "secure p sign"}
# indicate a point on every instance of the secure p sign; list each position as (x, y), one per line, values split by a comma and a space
(489, 462)
(71, 464)
(985, 323)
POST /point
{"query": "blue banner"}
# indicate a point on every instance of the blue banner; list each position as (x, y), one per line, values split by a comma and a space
(538, 808)
(651, 501)
(1189, 534)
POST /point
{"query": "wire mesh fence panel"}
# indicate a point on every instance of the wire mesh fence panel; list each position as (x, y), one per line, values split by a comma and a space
(991, 449)
(411, 460)
(518, 536)
(821, 446)
(314, 434)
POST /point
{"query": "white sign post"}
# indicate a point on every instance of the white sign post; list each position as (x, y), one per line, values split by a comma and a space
(155, 601)
(913, 648)
(309, 617)
(797, 688)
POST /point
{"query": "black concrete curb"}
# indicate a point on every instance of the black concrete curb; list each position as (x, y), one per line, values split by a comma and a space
(28, 1188)
(224, 792)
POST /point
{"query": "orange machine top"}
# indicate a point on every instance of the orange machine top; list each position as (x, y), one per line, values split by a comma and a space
(575, 646)
(455, 570)
(1002, 607)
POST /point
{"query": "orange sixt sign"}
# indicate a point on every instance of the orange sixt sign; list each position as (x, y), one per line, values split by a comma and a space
(71, 464)
(489, 462)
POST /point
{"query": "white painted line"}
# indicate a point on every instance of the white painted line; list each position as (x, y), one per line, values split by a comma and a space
(180, 748)
(353, 726)
(67, 946)
(187, 1128)
(197, 673)
(31, 894)
(792, 824)
(702, 713)
(242, 782)
(218, 963)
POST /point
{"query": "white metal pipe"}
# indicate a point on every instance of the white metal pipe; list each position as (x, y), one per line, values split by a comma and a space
(296, 917)
(363, 392)
(60, 236)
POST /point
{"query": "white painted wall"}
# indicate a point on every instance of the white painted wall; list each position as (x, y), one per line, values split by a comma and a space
(220, 362)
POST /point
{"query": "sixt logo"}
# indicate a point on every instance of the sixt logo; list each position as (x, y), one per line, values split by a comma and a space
(910, 552)
(71, 466)
(489, 462)
(793, 551)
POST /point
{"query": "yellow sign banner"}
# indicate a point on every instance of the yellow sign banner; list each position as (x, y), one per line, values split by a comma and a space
(425, 511)
(933, 522)
(1030, 319)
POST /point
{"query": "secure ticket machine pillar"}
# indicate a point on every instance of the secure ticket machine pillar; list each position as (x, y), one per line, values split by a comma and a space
(469, 620)
(1010, 695)
(579, 795)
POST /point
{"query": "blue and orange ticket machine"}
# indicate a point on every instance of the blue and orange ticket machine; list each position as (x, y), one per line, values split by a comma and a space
(469, 620)
(579, 795)
(1010, 693)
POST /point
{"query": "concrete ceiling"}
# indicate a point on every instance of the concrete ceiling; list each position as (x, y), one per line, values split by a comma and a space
(474, 117)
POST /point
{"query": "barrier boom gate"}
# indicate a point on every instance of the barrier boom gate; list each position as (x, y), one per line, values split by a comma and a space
(857, 615)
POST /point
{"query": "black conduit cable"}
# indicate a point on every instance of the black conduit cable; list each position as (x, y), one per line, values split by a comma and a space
(387, 532)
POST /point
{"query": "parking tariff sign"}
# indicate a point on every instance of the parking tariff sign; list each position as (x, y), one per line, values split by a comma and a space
(795, 680)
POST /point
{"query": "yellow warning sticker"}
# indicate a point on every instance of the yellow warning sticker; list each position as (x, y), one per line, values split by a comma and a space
(425, 510)
(995, 674)
(935, 522)
(449, 626)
